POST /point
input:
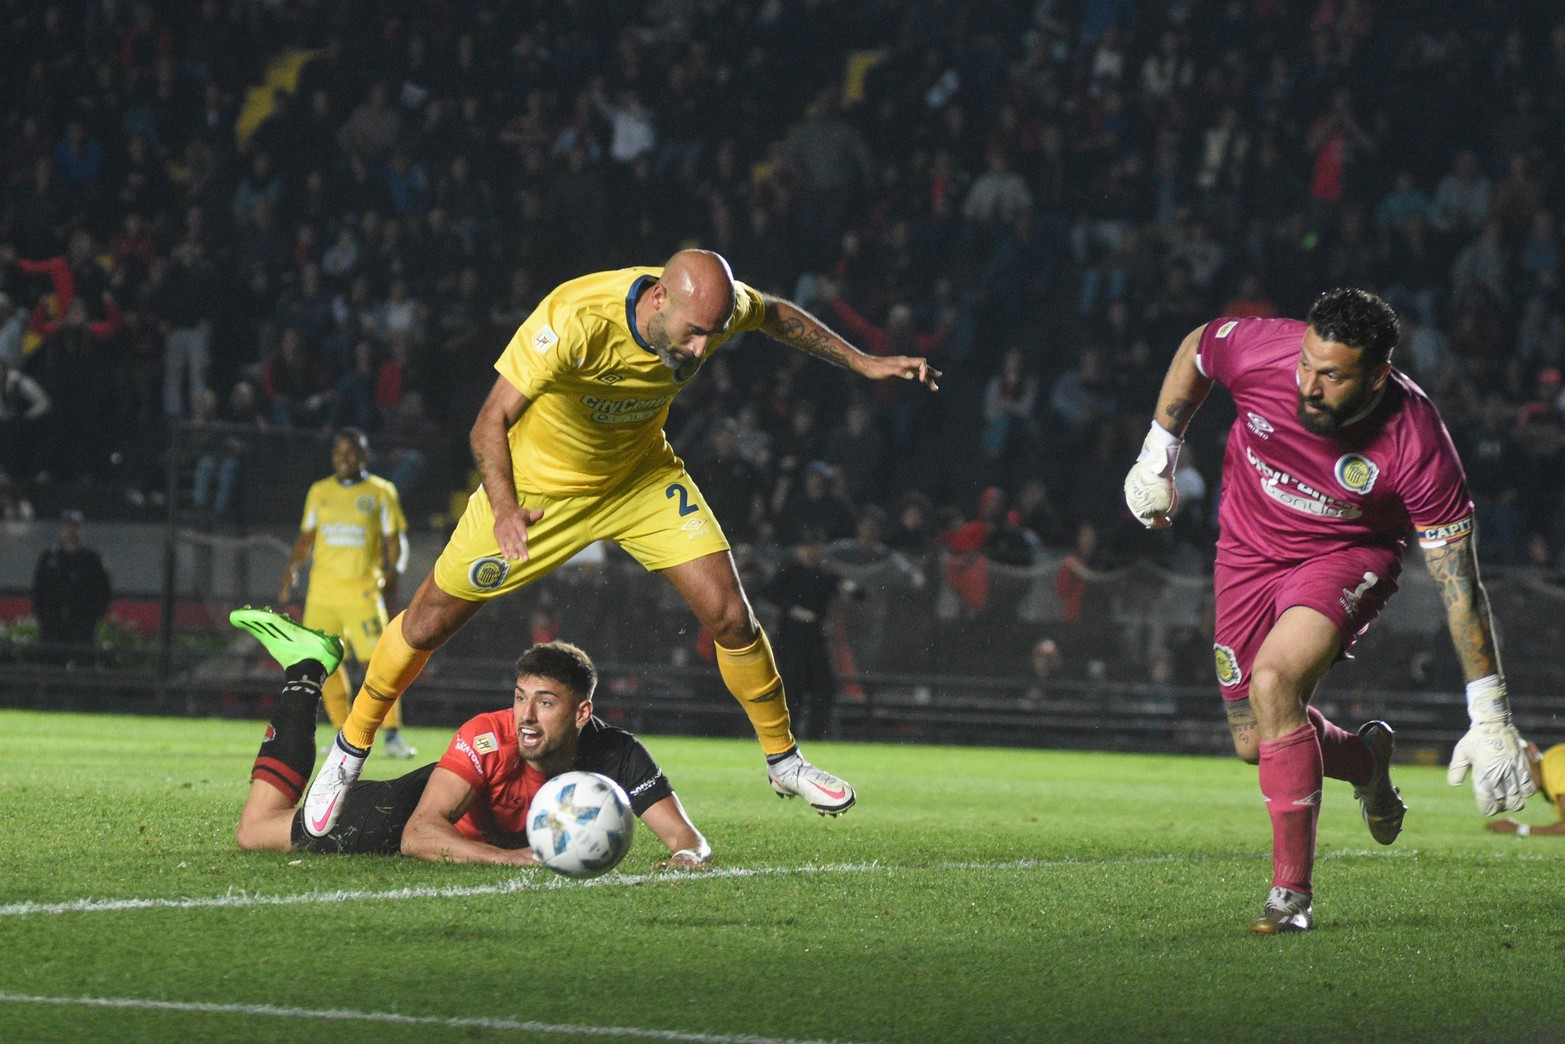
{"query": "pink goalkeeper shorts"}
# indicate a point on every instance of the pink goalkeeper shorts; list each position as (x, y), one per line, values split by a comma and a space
(1349, 586)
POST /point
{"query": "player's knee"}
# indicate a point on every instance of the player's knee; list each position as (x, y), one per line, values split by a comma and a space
(248, 837)
(1273, 688)
(1248, 750)
(733, 626)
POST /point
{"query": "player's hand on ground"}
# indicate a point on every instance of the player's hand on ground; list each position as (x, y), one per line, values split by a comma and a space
(1149, 487)
(684, 859)
(1502, 826)
(907, 367)
(1497, 757)
(510, 532)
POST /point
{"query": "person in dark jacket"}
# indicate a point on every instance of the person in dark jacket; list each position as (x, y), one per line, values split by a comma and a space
(71, 594)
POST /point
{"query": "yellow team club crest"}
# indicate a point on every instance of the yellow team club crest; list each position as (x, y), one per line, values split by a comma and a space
(1228, 672)
(1357, 473)
(486, 574)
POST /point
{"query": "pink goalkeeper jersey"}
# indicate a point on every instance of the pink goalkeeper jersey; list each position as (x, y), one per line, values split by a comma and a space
(1288, 493)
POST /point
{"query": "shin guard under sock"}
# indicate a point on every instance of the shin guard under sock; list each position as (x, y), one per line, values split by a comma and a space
(1291, 781)
(287, 754)
(392, 668)
(751, 675)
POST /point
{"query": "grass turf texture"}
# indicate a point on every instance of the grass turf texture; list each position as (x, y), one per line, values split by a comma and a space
(972, 895)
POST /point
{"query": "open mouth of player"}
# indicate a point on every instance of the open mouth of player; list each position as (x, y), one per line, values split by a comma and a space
(529, 737)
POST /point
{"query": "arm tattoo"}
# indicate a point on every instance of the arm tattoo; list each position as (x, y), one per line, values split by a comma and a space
(1455, 569)
(1181, 410)
(809, 338)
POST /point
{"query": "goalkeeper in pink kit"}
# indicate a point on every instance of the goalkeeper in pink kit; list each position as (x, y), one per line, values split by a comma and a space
(1333, 459)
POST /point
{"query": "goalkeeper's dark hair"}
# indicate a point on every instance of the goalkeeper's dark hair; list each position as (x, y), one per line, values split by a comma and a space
(561, 662)
(1358, 319)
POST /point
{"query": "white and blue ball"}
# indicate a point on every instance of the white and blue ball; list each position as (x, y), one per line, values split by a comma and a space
(580, 824)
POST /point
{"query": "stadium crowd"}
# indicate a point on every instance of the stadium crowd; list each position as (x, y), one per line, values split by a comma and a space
(309, 213)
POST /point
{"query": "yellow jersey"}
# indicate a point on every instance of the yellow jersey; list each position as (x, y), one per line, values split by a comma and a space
(352, 523)
(599, 394)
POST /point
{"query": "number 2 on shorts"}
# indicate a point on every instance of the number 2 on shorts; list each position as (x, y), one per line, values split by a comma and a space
(685, 507)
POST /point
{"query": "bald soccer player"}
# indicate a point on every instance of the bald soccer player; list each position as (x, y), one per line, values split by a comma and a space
(571, 449)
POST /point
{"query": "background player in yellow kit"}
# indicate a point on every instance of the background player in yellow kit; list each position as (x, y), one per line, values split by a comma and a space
(355, 540)
(571, 449)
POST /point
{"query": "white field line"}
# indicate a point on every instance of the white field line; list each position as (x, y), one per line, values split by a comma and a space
(538, 881)
(442, 1022)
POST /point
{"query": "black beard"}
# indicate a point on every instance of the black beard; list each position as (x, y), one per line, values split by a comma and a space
(1327, 423)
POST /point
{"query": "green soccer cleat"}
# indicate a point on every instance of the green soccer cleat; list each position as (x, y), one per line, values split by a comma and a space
(1381, 802)
(289, 642)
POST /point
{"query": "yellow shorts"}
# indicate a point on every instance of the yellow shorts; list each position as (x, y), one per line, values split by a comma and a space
(658, 515)
(355, 613)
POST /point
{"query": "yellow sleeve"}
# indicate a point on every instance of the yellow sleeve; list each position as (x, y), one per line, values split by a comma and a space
(312, 507)
(548, 343)
(749, 308)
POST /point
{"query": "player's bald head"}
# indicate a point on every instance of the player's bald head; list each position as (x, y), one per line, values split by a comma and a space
(701, 281)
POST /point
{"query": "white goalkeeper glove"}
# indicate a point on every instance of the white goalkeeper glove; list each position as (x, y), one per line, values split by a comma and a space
(1149, 488)
(1493, 749)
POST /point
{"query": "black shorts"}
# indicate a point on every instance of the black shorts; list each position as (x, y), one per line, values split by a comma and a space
(372, 819)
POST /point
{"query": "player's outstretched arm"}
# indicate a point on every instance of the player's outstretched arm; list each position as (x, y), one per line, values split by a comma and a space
(491, 445)
(791, 324)
(1492, 748)
(1149, 487)
(687, 848)
(431, 833)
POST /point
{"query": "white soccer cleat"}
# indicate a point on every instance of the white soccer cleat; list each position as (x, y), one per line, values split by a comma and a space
(397, 747)
(323, 804)
(1285, 911)
(824, 792)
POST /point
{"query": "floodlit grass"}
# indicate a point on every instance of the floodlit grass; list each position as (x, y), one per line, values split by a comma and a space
(973, 895)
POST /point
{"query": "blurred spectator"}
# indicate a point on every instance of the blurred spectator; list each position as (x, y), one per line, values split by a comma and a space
(70, 596)
(1045, 667)
(218, 454)
(804, 589)
(294, 384)
(815, 511)
(373, 128)
(828, 165)
(23, 403)
(855, 448)
(1461, 204)
(735, 489)
(1012, 441)
(185, 298)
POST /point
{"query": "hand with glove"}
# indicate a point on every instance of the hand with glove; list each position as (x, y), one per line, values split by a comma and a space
(1493, 750)
(1149, 488)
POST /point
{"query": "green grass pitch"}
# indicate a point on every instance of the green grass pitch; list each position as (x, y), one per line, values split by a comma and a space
(973, 895)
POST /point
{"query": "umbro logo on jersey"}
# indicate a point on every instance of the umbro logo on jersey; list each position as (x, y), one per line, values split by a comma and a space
(1260, 425)
(610, 378)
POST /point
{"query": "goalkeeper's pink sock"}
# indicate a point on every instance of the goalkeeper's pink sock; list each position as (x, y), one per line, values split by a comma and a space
(1290, 780)
(1343, 754)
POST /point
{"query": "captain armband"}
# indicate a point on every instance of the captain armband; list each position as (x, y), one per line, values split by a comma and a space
(1431, 537)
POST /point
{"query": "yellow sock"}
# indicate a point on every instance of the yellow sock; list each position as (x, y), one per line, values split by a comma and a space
(334, 694)
(392, 667)
(393, 716)
(751, 675)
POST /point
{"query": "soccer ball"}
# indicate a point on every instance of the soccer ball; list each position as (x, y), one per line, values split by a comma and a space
(580, 824)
